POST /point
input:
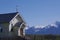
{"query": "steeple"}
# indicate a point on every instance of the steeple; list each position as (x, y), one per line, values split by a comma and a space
(16, 8)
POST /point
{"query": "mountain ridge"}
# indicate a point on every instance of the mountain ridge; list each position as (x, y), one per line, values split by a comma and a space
(49, 29)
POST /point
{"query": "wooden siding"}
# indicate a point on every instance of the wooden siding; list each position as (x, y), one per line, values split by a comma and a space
(5, 29)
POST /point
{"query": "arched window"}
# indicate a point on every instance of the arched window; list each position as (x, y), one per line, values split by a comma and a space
(1, 29)
(12, 30)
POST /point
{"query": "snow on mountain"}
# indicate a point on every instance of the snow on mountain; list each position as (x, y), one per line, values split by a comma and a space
(49, 29)
(26, 28)
(39, 26)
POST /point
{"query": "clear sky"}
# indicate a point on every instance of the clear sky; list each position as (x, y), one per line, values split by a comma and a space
(34, 12)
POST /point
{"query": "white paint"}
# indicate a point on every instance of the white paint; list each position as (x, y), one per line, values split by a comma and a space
(15, 16)
(24, 31)
(19, 30)
(10, 27)
(13, 23)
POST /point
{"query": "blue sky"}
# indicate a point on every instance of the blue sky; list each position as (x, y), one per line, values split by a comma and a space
(34, 12)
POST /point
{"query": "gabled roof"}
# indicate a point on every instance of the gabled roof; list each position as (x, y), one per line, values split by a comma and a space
(7, 17)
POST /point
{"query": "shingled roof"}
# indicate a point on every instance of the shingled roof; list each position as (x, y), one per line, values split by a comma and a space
(7, 17)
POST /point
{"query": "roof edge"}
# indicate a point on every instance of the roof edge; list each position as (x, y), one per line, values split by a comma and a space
(9, 13)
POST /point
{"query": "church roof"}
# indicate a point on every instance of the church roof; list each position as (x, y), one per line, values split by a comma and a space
(6, 17)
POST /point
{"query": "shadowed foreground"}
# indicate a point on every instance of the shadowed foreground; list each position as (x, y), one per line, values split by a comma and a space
(44, 37)
(13, 38)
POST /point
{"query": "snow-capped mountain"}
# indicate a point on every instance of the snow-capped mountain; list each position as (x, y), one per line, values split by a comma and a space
(49, 29)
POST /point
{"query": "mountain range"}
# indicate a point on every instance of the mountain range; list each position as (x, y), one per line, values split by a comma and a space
(53, 29)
